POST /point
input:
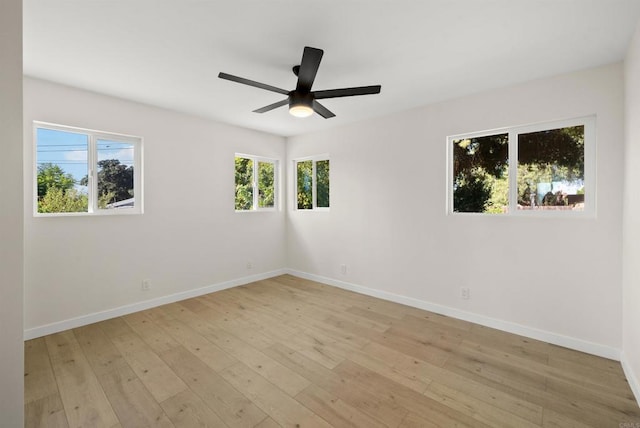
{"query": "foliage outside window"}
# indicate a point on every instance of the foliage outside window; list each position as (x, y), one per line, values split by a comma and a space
(255, 180)
(551, 172)
(79, 171)
(312, 183)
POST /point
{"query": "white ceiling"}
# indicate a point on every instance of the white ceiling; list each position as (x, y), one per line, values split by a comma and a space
(168, 53)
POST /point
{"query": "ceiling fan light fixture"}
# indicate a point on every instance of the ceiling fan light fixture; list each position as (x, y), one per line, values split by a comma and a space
(300, 110)
(300, 105)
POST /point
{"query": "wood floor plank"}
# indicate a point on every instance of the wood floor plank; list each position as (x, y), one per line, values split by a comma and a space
(227, 402)
(45, 412)
(270, 399)
(495, 370)
(422, 350)
(380, 407)
(369, 361)
(208, 352)
(268, 423)
(253, 333)
(286, 379)
(85, 403)
(150, 332)
(194, 304)
(334, 410)
(512, 344)
(317, 347)
(39, 380)
(115, 327)
(187, 410)
(373, 316)
(414, 326)
(585, 374)
(414, 421)
(583, 359)
(292, 352)
(590, 378)
(423, 370)
(235, 349)
(420, 404)
(553, 419)
(410, 366)
(478, 409)
(132, 402)
(264, 323)
(599, 401)
(101, 353)
(154, 373)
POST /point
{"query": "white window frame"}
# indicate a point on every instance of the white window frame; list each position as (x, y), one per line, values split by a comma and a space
(276, 182)
(315, 159)
(92, 170)
(589, 123)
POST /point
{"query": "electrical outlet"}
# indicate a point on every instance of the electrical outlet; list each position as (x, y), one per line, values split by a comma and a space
(343, 269)
(465, 294)
(146, 284)
(249, 265)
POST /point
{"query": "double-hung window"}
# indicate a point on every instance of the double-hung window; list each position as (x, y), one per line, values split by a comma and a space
(256, 183)
(543, 168)
(82, 172)
(312, 183)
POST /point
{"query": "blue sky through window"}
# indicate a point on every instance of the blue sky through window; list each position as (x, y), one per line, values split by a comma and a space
(69, 150)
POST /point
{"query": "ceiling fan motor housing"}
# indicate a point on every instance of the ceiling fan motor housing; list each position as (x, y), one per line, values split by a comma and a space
(301, 103)
(300, 99)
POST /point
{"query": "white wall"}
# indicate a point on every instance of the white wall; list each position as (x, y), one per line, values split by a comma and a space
(631, 225)
(189, 235)
(557, 279)
(11, 268)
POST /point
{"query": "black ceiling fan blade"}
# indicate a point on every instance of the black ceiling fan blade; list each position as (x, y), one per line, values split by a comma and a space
(308, 68)
(322, 110)
(347, 92)
(252, 83)
(272, 106)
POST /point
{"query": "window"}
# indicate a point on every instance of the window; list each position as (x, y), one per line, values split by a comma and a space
(551, 169)
(255, 173)
(312, 183)
(79, 171)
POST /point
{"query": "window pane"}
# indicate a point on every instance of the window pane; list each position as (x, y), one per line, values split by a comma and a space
(551, 169)
(481, 174)
(62, 171)
(115, 175)
(266, 188)
(244, 184)
(322, 184)
(305, 193)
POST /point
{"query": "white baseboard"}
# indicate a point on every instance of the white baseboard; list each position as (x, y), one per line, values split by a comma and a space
(80, 321)
(632, 377)
(533, 333)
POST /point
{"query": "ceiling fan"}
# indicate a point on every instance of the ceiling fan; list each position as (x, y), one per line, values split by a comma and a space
(302, 100)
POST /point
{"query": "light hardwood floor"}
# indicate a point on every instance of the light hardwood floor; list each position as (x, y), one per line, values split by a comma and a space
(294, 353)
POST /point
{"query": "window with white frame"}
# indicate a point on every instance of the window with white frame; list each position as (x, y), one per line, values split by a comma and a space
(256, 183)
(312, 183)
(82, 172)
(542, 168)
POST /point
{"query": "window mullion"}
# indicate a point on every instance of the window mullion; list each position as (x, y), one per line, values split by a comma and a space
(275, 184)
(512, 157)
(93, 175)
(314, 182)
(255, 183)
